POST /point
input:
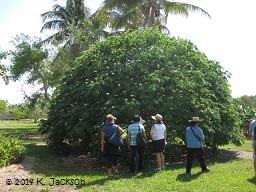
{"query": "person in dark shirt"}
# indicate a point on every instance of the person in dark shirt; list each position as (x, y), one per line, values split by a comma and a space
(110, 150)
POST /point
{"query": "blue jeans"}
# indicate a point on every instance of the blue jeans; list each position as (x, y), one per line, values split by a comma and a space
(137, 156)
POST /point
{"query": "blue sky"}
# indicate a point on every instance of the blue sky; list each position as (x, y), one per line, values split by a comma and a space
(6, 6)
(228, 37)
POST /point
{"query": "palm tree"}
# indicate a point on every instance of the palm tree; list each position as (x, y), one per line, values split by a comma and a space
(74, 31)
(66, 21)
(126, 14)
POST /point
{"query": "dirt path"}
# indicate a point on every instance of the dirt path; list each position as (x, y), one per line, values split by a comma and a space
(244, 154)
(15, 172)
(18, 173)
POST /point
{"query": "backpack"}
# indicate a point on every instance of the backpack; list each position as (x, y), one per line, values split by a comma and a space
(116, 139)
(141, 140)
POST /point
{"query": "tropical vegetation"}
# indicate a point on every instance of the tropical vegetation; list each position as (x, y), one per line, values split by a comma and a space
(127, 15)
(11, 150)
(50, 63)
(167, 75)
(3, 69)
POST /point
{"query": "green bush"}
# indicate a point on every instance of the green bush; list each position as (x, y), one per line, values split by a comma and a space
(11, 151)
(143, 72)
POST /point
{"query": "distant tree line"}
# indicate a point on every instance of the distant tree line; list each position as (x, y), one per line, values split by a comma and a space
(20, 111)
(247, 110)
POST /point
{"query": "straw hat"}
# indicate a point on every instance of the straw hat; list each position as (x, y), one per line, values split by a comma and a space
(195, 119)
(142, 121)
(157, 117)
(110, 117)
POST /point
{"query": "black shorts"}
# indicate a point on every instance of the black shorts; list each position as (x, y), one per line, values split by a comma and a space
(158, 146)
(111, 154)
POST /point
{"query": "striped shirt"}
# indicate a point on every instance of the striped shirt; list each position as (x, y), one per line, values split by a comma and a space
(133, 130)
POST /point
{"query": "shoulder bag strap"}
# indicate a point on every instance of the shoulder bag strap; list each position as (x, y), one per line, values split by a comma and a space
(117, 130)
(254, 132)
(196, 136)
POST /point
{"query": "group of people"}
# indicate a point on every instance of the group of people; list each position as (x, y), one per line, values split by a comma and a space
(158, 135)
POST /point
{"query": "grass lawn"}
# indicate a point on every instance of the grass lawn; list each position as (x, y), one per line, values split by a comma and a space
(246, 146)
(233, 175)
(26, 130)
(227, 175)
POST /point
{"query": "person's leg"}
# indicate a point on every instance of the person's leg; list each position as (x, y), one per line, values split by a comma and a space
(162, 153)
(108, 159)
(158, 160)
(109, 164)
(156, 151)
(140, 159)
(114, 164)
(201, 159)
(162, 160)
(133, 158)
(255, 165)
(109, 171)
(189, 160)
(254, 156)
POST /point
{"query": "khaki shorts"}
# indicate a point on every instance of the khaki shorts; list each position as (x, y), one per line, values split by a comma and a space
(254, 148)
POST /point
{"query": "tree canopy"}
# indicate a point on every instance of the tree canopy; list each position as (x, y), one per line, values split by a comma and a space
(30, 57)
(123, 14)
(3, 69)
(143, 72)
(66, 20)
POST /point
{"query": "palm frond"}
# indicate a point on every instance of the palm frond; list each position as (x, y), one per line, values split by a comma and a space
(57, 12)
(54, 25)
(182, 8)
(117, 4)
(128, 19)
(57, 38)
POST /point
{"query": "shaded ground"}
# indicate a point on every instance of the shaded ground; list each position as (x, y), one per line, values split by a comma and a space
(13, 173)
(18, 175)
(230, 154)
(17, 172)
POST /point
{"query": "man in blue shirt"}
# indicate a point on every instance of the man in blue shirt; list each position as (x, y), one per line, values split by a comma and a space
(136, 152)
(194, 138)
(252, 131)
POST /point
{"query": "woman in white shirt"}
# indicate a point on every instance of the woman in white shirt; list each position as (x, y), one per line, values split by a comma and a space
(158, 135)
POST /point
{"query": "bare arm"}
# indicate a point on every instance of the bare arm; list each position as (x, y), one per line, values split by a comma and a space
(152, 132)
(128, 138)
(165, 134)
(120, 131)
(102, 141)
(145, 136)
